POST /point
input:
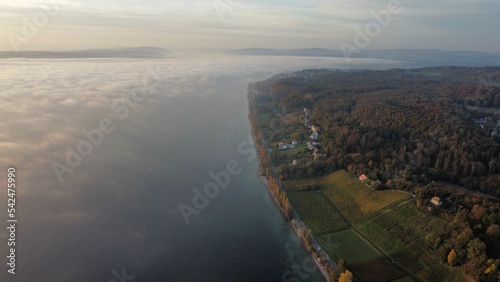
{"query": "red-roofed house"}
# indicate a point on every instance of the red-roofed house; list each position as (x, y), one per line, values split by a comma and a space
(362, 177)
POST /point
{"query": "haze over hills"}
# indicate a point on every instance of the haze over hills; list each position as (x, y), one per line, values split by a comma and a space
(130, 52)
(424, 57)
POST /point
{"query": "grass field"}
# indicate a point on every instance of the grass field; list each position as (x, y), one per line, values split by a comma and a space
(317, 212)
(349, 246)
(348, 194)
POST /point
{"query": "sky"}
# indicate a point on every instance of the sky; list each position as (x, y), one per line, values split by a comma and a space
(470, 25)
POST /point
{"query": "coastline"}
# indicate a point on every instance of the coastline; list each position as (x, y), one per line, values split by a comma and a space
(296, 229)
(287, 210)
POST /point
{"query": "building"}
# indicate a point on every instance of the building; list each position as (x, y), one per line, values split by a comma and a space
(362, 177)
(315, 128)
(314, 135)
(294, 143)
(436, 201)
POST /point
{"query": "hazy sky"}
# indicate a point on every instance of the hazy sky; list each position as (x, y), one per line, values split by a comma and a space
(225, 24)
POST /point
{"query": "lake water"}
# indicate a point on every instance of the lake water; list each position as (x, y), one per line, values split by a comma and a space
(142, 136)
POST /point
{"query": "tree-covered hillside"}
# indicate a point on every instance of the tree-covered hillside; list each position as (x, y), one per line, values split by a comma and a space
(402, 126)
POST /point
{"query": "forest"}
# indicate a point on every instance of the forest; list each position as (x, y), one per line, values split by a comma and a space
(409, 130)
(401, 126)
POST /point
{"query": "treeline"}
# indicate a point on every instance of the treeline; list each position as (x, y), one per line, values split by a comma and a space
(265, 166)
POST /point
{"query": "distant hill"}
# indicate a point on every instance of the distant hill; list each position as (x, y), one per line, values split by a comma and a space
(421, 57)
(132, 52)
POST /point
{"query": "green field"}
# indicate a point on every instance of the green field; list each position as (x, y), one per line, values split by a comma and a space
(361, 257)
(350, 195)
(349, 246)
(317, 212)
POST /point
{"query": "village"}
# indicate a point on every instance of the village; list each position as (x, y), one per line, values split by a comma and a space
(312, 143)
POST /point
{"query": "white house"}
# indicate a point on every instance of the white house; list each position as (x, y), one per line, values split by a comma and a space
(294, 143)
(314, 135)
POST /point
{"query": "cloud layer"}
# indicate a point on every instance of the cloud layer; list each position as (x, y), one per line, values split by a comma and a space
(224, 24)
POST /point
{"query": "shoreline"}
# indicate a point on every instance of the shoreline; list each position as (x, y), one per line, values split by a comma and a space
(293, 219)
(296, 229)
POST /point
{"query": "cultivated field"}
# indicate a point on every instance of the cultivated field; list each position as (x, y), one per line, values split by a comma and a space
(356, 201)
(349, 246)
(399, 226)
(317, 212)
(400, 232)
(377, 270)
